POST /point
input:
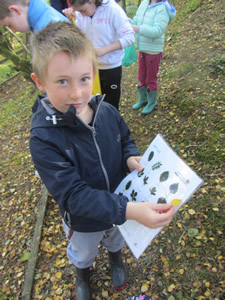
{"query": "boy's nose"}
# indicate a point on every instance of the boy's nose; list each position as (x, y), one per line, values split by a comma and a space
(75, 92)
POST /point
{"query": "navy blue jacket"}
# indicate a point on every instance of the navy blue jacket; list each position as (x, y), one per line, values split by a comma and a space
(59, 4)
(81, 165)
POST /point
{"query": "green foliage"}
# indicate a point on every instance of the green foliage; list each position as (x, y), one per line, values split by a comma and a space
(131, 7)
(211, 153)
(3, 296)
(131, 10)
(217, 65)
(10, 43)
(186, 106)
(6, 71)
(180, 70)
(9, 110)
(193, 5)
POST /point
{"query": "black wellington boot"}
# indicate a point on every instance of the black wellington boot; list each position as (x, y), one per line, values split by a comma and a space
(83, 284)
(118, 270)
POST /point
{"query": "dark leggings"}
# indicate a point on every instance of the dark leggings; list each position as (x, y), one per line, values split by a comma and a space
(59, 4)
(110, 85)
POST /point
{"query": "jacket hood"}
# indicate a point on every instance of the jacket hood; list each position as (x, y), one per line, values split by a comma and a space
(46, 115)
(170, 9)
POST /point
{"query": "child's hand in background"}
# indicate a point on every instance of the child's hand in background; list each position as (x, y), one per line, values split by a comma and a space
(69, 13)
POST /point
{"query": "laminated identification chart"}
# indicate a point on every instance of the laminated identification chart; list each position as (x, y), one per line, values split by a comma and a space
(166, 178)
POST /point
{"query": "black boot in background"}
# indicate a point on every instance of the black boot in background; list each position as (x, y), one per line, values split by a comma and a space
(118, 270)
(83, 291)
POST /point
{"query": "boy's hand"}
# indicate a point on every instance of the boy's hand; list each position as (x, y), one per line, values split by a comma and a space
(150, 214)
(69, 13)
(133, 163)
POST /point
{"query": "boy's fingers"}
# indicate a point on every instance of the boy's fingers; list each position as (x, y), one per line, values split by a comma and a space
(164, 219)
(161, 207)
(139, 167)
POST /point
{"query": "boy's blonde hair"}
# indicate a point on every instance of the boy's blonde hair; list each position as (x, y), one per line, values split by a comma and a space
(59, 37)
(4, 6)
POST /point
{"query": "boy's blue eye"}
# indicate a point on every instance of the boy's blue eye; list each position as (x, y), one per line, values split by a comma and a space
(63, 81)
(85, 79)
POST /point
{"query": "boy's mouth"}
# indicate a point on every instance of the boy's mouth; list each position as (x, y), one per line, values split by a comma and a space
(76, 105)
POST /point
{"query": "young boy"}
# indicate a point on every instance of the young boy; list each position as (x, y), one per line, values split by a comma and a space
(82, 149)
(27, 15)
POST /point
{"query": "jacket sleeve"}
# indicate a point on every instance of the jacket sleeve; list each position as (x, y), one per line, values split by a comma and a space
(71, 193)
(123, 27)
(161, 22)
(129, 147)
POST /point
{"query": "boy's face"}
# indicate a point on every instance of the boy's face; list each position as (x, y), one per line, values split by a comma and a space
(68, 82)
(17, 20)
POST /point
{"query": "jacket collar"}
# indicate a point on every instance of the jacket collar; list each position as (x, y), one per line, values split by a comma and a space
(46, 115)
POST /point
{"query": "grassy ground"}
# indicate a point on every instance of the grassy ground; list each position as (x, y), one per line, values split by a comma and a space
(6, 72)
(186, 260)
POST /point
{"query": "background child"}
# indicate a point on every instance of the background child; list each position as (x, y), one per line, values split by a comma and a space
(150, 23)
(107, 27)
(27, 15)
(82, 149)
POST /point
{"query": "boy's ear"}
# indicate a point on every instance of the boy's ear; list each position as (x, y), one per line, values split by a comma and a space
(15, 8)
(37, 82)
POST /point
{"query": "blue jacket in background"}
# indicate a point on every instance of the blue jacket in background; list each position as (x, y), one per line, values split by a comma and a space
(40, 14)
(153, 21)
(82, 165)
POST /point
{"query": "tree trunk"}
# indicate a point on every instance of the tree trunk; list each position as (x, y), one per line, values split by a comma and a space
(19, 63)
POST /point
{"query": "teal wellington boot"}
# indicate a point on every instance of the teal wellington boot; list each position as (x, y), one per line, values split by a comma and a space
(142, 100)
(152, 102)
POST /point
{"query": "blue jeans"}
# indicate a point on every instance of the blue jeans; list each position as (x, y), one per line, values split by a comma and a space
(83, 246)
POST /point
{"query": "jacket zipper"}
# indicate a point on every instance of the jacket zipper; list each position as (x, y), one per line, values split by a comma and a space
(100, 158)
(92, 128)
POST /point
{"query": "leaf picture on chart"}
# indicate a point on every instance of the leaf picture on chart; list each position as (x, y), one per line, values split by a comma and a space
(141, 173)
(153, 190)
(127, 186)
(164, 176)
(176, 202)
(156, 165)
(150, 157)
(145, 180)
(133, 196)
(161, 200)
(174, 188)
